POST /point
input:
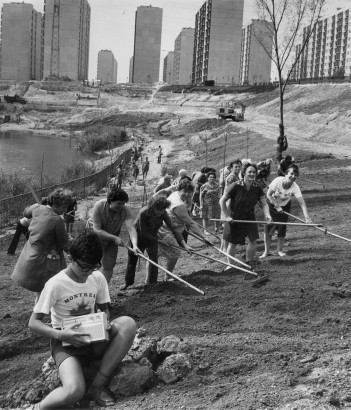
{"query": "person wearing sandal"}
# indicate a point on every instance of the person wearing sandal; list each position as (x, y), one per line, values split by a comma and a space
(279, 194)
(74, 291)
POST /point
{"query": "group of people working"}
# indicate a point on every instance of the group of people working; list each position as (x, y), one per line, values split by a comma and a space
(161, 228)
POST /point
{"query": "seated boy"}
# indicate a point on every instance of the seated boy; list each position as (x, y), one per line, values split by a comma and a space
(72, 292)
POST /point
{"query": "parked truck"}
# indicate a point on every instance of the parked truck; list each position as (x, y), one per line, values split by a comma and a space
(233, 109)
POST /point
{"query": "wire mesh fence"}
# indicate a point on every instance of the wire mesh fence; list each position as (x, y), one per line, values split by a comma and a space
(11, 209)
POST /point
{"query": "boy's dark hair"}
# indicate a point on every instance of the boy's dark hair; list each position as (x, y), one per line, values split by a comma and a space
(185, 177)
(237, 161)
(60, 197)
(117, 194)
(246, 166)
(185, 185)
(295, 168)
(159, 203)
(86, 247)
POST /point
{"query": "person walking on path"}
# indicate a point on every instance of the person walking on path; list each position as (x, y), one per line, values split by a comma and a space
(119, 176)
(244, 196)
(107, 219)
(160, 153)
(146, 167)
(135, 172)
(80, 285)
(279, 194)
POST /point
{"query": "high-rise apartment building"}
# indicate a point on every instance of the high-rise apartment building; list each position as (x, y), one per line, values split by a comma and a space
(217, 42)
(183, 56)
(66, 38)
(130, 69)
(147, 44)
(107, 67)
(168, 68)
(20, 57)
(328, 51)
(256, 43)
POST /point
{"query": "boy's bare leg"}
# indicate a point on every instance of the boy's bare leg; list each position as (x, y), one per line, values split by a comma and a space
(123, 331)
(73, 386)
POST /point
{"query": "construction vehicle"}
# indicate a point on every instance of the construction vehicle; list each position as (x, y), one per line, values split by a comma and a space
(15, 99)
(233, 109)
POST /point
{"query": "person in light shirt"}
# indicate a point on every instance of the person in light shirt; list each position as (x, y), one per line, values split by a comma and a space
(279, 194)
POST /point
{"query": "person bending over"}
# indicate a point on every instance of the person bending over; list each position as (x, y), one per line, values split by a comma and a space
(147, 224)
(107, 218)
(80, 284)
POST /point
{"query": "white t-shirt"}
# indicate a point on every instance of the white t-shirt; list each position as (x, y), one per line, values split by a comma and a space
(281, 195)
(64, 298)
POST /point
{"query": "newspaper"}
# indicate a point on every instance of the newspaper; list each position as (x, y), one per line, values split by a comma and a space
(95, 324)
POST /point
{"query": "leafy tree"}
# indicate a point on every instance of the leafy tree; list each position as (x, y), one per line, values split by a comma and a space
(284, 20)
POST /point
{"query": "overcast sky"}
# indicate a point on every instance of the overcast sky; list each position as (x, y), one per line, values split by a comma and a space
(112, 25)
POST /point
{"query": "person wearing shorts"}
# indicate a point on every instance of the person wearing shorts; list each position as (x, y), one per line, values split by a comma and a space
(76, 291)
(243, 196)
(279, 194)
(107, 219)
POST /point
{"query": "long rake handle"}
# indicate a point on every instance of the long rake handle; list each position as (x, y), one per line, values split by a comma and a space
(325, 231)
(212, 259)
(167, 271)
(267, 223)
(220, 251)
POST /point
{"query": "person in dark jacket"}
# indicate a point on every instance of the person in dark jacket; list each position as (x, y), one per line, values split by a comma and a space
(148, 222)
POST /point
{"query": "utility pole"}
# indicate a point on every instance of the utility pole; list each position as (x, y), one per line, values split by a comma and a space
(55, 41)
(247, 143)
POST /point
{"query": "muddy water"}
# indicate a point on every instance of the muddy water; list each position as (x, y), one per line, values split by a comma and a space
(22, 152)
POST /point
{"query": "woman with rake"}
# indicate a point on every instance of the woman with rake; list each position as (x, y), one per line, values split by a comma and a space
(279, 194)
(179, 213)
(243, 196)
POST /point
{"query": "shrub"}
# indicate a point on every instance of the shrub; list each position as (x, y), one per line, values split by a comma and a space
(169, 169)
(99, 138)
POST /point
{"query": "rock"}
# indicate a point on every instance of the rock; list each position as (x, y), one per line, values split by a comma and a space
(174, 368)
(132, 379)
(171, 345)
(309, 359)
(144, 348)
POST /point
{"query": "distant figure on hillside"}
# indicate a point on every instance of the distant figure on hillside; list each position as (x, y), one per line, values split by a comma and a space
(160, 153)
(119, 175)
(285, 164)
(146, 167)
(70, 214)
(135, 171)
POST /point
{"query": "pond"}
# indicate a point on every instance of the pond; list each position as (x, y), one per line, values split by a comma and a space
(23, 152)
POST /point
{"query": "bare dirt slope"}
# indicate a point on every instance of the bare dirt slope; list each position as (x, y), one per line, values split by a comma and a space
(284, 345)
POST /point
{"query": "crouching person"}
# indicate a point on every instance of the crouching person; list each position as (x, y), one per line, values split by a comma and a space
(74, 291)
(148, 222)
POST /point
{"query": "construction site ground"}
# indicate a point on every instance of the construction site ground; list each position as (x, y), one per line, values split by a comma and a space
(285, 344)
